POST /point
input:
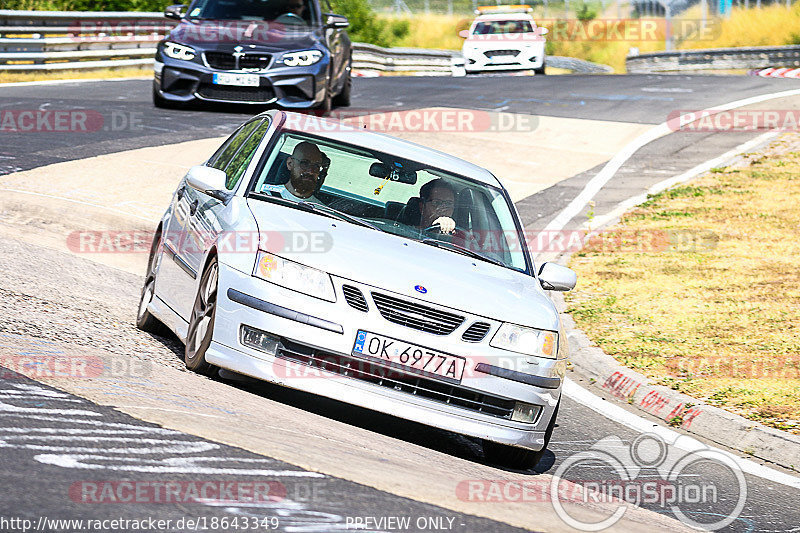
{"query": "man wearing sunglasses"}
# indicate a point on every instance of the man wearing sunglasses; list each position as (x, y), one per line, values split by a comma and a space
(307, 168)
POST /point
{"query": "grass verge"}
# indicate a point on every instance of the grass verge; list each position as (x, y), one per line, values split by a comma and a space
(712, 309)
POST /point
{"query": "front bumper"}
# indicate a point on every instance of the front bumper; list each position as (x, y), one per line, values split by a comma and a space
(524, 58)
(300, 335)
(290, 87)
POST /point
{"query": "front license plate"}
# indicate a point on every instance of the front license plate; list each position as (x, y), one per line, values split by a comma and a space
(406, 355)
(240, 80)
(501, 60)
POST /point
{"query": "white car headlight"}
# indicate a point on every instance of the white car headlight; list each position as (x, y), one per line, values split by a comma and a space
(301, 59)
(294, 276)
(528, 341)
(179, 51)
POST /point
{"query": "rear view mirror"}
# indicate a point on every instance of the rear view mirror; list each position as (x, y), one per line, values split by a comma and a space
(555, 277)
(336, 21)
(393, 173)
(542, 31)
(463, 34)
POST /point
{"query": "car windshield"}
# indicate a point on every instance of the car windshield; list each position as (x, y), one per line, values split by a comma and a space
(398, 196)
(283, 11)
(496, 27)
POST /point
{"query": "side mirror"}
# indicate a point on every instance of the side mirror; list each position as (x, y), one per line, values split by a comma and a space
(542, 31)
(463, 34)
(208, 180)
(338, 22)
(175, 12)
(555, 277)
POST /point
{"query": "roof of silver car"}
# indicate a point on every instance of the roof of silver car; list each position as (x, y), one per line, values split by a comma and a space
(336, 131)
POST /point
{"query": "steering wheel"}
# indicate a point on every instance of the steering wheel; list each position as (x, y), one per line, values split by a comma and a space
(290, 18)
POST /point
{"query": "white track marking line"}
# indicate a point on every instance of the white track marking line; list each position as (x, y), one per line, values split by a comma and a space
(610, 169)
(626, 205)
(686, 443)
(60, 82)
(72, 200)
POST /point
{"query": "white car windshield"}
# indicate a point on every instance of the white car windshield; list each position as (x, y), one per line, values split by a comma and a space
(398, 196)
(496, 27)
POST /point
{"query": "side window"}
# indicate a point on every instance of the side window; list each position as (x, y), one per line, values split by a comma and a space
(226, 152)
(241, 160)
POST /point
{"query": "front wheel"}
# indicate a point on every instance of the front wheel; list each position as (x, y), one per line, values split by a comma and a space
(343, 98)
(201, 325)
(518, 458)
(540, 71)
(145, 321)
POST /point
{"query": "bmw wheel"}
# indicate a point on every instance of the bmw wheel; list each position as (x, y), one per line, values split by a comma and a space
(201, 325)
(343, 98)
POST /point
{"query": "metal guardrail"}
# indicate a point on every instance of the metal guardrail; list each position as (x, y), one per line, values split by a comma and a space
(755, 57)
(60, 40)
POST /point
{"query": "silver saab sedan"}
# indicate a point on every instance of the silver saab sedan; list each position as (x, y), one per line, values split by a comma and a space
(366, 269)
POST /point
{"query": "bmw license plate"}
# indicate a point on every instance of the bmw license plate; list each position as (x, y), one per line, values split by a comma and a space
(405, 355)
(503, 60)
(240, 80)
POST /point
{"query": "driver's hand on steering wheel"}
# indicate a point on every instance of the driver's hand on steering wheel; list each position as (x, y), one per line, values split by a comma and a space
(446, 224)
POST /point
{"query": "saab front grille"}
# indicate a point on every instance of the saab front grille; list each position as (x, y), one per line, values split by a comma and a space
(416, 316)
(355, 298)
(392, 378)
(476, 332)
(236, 94)
(227, 61)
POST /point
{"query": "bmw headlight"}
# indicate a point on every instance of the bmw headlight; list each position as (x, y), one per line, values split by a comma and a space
(301, 59)
(528, 341)
(294, 276)
(179, 51)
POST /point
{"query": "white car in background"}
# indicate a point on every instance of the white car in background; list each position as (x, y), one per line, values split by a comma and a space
(504, 38)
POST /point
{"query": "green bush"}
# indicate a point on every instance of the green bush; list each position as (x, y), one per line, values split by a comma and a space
(585, 13)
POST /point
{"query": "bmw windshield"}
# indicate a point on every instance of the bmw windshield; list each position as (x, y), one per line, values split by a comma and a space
(405, 198)
(284, 11)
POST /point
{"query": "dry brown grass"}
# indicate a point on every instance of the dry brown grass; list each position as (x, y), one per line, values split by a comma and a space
(717, 317)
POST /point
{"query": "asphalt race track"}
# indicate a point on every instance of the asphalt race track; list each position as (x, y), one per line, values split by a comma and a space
(60, 447)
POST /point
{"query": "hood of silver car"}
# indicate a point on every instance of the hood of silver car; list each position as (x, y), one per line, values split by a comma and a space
(403, 266)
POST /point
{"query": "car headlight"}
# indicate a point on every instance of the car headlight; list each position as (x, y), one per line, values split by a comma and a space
(301, 59)
(179, 51)
(294, 276)
(528, 341)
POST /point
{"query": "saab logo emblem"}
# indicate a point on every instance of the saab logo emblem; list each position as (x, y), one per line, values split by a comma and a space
(420, 289)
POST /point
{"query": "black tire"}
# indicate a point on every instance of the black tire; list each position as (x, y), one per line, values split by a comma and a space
(540, 71)
(159, 101)
(518, 458)
(201, 324)
(343, 98)
(144, 320)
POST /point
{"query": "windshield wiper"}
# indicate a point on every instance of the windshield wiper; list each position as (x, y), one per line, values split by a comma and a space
(460, 249)
(319, 209)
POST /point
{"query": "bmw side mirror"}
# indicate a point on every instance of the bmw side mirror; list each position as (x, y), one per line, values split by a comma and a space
(208, 180)
(555, 277)
(542, 31)
(175, 12)
(338, 22)
(463, 34)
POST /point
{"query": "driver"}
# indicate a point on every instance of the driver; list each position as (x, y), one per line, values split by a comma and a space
(436, 204)
(293, 12)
